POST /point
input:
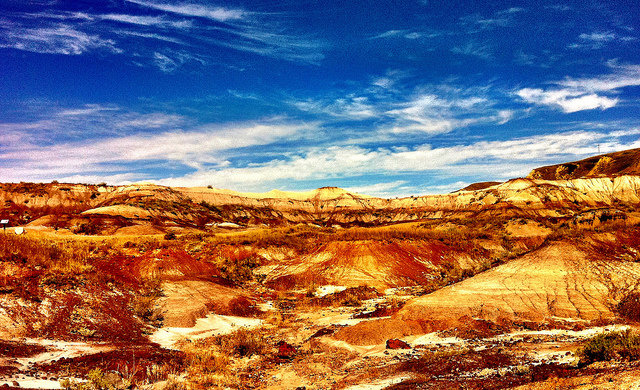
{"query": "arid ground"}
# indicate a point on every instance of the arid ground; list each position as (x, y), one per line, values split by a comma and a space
(530, 284)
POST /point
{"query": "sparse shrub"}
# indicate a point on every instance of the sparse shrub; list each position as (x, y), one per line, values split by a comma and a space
(611, 346)
(205, 361)
(98, 380)
(239, 269)
(144, 308)
(243, 342)
(209, 360)
(352, 296)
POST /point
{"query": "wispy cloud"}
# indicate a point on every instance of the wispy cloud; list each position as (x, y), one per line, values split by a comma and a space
(495, 160)
(171, 60)
(88, 109)
(408, 34)
(568, 100)
(433, 114)
(350, 107)
(143, 20)
(53, 124)
(150, 121)
(504, 18)
(598, 40)
(427, 110)
(182, 33)
(585, 93)
(202, 145)
(60, 39)
(622, 76)
(220, 14)
(474, 49)
(378, 189)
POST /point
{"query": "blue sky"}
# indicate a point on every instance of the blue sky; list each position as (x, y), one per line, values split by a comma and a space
(388, 98)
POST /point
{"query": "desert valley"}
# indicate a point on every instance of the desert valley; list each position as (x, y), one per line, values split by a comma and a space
(532, 283)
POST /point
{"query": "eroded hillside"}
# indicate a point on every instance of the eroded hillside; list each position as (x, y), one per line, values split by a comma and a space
(153, 209)
(495, 286)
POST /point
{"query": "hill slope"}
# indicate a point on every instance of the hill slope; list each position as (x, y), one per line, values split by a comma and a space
(626, 162)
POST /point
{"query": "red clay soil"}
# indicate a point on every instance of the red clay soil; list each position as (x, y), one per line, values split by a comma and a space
(168, 264)
(102, 317)
(124, 359)
(16, 349)
(444, 375)
(376, 263)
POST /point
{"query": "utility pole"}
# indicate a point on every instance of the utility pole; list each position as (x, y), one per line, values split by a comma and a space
(4, 223)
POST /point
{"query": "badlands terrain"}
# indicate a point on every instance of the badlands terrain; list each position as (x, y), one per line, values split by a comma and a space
(530, 284)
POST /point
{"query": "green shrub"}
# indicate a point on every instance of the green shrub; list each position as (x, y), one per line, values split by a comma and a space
(611, 346)
(239, 270)
(97, 380)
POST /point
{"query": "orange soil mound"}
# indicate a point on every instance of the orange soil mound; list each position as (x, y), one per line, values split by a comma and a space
(138, 230)
(379, 264)
(557, 280)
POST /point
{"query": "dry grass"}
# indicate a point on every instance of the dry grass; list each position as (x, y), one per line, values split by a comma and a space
(214, 362)
(97, 295)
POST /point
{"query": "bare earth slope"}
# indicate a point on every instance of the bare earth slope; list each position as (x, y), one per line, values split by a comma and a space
(626, 162)
(379, 264)
(558, 281)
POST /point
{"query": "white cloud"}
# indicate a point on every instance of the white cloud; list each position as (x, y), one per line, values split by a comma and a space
(598, 39)
(146, 20)
(622, 76)
(378, 189)
(349, 107)
(585, 93)
(88, 109)
(170, 60)
(204, 145)
(265, 34)
(474, 49)
(491, 160)
(625, 133)
(433, 114)
(60, 39)
(389, 34)
(413, 35)
(568, 100)
(598, 36)
(150, 121)
(220, 14)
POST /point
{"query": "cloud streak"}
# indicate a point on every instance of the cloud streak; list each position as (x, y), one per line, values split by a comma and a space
(220, 14)
(204, 145)
(585, 93)
(59, 39)
(488, 159)
(181, 33)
